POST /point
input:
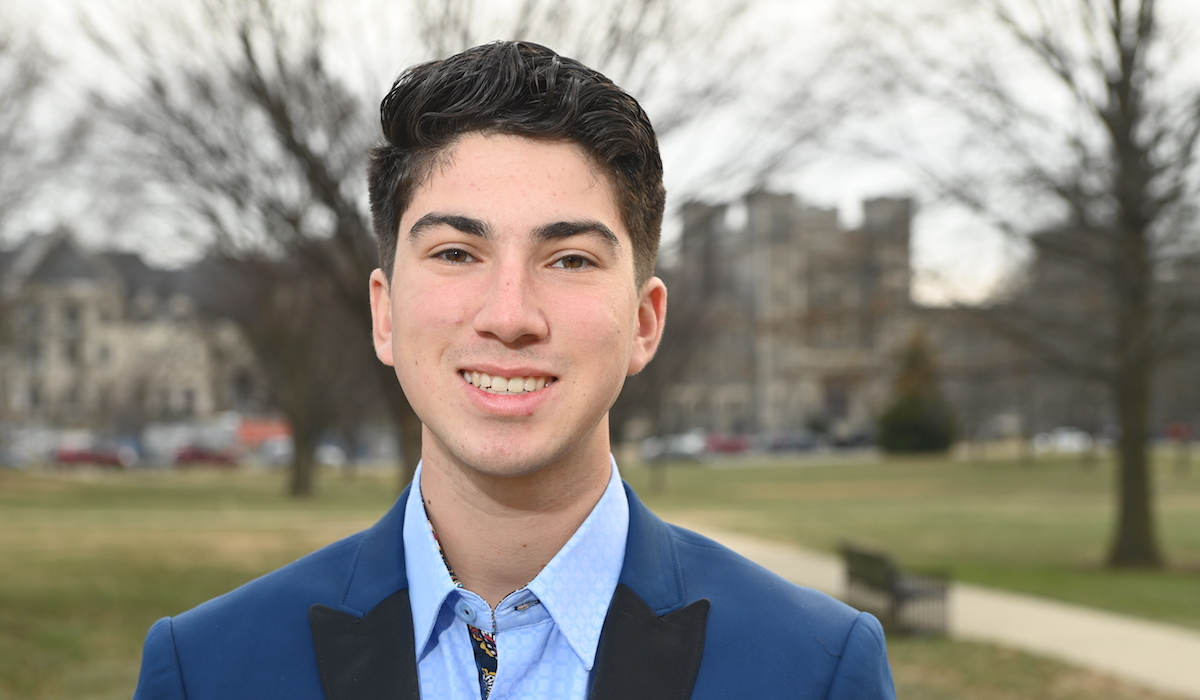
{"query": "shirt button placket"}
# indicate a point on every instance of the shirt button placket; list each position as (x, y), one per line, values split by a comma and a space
(465, 612)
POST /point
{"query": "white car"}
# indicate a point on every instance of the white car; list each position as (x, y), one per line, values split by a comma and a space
(1062, 441)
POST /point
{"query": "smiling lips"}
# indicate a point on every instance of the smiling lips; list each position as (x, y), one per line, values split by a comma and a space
(505, 385)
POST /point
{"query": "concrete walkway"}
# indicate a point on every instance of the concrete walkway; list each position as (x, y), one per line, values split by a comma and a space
(1153, 654)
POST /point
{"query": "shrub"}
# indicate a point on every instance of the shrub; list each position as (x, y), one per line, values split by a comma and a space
(917, 418)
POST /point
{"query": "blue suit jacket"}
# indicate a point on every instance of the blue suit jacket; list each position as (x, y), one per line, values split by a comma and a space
(690, 619)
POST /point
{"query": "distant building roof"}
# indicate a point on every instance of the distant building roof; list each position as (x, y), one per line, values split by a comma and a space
(56, 258)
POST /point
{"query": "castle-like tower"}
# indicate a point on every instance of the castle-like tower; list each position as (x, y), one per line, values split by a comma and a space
(795, 319)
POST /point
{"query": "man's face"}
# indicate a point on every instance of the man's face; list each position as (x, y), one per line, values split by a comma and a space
(513, 264)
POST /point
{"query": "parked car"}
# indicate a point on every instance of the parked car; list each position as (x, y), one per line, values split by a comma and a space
(727, 444)
(107, 457)
(685, 447)
(1063, 440)
(792, 442)
(9, 460)
(196, 455)
(277, 450)
(331, 456)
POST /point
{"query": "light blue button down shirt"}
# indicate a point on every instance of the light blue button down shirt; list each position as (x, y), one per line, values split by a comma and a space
(546, 633)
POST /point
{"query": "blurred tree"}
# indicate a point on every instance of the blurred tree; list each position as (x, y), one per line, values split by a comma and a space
(23, 72)
(918, 418)
(259, 146)
(306, 347)
(1078, 124)
(235, 116)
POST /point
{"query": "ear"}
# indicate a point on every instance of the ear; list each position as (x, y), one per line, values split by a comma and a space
(381, 317)
(651, 318)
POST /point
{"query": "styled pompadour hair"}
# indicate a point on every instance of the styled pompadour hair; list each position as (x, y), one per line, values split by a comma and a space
(520, 89)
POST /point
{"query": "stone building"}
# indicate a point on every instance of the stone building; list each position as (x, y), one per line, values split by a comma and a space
(784, 324)
(101, 341)
(792, 320)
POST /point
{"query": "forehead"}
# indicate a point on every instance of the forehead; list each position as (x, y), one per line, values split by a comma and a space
(518, 178)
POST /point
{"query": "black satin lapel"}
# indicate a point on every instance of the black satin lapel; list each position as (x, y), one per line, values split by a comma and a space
(642, 655)
(371, 658)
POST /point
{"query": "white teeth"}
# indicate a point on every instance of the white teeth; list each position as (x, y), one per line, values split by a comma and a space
(505, 385)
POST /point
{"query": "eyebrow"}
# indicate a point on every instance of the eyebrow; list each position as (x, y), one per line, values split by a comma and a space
(548, 232)
(567, 229)
(465, 224)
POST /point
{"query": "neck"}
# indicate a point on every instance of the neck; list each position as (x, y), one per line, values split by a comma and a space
(499, 532)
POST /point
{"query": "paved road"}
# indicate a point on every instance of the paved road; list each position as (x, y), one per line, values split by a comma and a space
(1156, 655)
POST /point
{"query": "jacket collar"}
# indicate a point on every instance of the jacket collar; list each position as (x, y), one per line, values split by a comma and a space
(378, 570)
(651, 568)
(651, 646)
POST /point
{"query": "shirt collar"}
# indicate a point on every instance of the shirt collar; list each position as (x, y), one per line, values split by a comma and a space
(428, 580)
(576, 587)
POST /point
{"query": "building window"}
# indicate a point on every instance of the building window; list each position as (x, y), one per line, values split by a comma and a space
(144, 306)
(837, 397)
(33, 356)
(104, 354)
(33, 316)
(72, 315)
(164, 401)
(35, 396)
(189, 402)
(71, 351)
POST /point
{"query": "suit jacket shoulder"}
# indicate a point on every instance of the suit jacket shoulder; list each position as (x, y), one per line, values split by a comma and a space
(256, 641)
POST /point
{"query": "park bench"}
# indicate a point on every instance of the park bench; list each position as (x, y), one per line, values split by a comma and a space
(906, 602)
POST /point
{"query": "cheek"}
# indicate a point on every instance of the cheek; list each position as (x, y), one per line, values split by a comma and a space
(601, 328)
(426, 310)
(424, 322)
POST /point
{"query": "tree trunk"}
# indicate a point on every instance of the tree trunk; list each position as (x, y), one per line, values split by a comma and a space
(304, 463)
(1183, 456)
(1135, 544)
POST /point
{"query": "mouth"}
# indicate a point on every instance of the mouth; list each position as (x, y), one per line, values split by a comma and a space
(495, 384)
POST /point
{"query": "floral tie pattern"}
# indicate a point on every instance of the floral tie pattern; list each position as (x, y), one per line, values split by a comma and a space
(482, 643)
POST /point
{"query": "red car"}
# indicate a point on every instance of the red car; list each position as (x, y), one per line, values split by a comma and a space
(193, 455)
(727, 444)
(113, 458)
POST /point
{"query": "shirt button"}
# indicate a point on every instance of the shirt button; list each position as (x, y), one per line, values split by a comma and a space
(465, 611)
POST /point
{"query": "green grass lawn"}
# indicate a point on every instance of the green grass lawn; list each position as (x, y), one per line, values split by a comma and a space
(1040, 528)
(89, 561)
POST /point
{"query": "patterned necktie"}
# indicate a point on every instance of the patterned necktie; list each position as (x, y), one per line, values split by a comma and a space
(483, 644)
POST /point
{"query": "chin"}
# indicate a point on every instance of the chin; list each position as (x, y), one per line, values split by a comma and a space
(519, 458)
(506, 464)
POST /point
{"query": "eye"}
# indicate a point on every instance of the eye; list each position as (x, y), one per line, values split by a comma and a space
(456, 256)
(572, 262)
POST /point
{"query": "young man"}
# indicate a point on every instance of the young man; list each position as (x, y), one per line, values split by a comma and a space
(517, 199)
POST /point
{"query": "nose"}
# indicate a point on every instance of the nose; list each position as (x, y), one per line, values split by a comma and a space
(510, 310)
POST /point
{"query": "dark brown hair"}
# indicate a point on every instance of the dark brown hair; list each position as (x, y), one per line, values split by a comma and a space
(521, 89)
